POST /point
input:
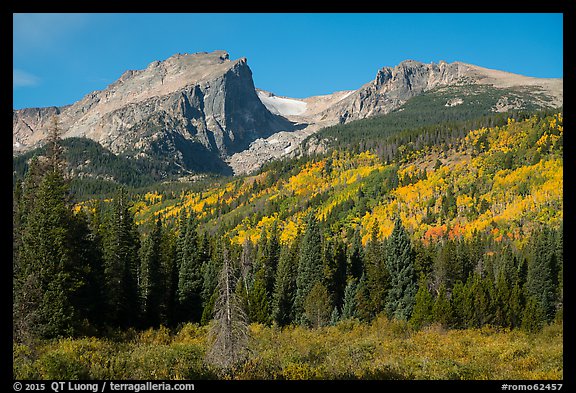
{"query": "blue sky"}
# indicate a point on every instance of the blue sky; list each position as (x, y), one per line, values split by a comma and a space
(59, 58)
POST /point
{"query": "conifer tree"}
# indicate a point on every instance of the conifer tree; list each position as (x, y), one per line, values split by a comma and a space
(170, 273)
(310, 269)
(364, 309)
(422, 314)
(334, 317)
(152, 280)
(534, 315)
(190, 278)
(285, 285)
(540, 277)
(335, 270)
(50, 285)
(121, 264)
(349, 306)
(355, 258)
(481, 292)
(400, 263)
(44, 302)
(442, 309)
(377, 279)
(258, 299)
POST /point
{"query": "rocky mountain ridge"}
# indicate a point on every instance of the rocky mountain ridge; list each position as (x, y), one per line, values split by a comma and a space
(202, 111)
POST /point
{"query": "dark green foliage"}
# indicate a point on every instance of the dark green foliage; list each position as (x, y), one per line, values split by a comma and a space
(481, 290)
(534, 315)
(151, 277)
(422, 313)
(400, 263)
(355, 257)
(349, 306)
(189, 271)
(364, 309)
(47, 278)
(259, 308)
(169, 266)
(422, 121)
(376, 279)
(269, 254)
(285, 285)
(121, 264)
(442, 309)
(310, 270)
(56, 262)
(335, 270)
(542, 272)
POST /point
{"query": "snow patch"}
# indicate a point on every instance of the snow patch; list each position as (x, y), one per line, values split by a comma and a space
(282, 106)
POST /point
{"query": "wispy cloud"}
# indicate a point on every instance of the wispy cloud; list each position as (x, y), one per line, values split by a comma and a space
(44, 30)
(23, 79)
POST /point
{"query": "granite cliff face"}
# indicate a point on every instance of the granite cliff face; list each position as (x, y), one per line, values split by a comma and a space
(189, 108)
(391, 88)
(203, 113)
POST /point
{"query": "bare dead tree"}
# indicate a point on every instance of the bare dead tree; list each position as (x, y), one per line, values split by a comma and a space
(228, 333)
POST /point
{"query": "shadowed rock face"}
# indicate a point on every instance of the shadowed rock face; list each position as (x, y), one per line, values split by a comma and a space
(204, 101)
(393, 86)
(202, 110)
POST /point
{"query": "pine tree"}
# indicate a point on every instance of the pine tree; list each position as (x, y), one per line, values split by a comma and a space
(89, 299)
(364, 309)
(121, 267)
(310, 270)
(210, 272)
(258, 298)
(481, 292)
(50, 288)
(355, 258)
(400, 263)
(271, 256)
(560, 262)
(335, 270)
(534, 315)
(540, 277)
(460, 301)
(442, 309)
(170, 274)
(189, 272)
(246, 280)
(334, 317)
(44, 301)
(377, 279)
(349, 306)
(422, 314)
(152, 280)
(285, 285)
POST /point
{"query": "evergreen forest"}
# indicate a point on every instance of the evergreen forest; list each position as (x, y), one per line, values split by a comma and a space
(403, 251)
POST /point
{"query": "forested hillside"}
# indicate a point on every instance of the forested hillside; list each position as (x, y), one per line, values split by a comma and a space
(464, 232)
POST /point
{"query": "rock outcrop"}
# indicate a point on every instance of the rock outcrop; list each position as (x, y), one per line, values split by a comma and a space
(202, 112)
(184, 108)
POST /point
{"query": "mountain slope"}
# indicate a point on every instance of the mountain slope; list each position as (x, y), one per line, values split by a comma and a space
(446, 86)
(202, 112)
(191, 108)
(503, 181)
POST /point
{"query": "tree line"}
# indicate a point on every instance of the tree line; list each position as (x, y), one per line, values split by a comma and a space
(86, 272)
